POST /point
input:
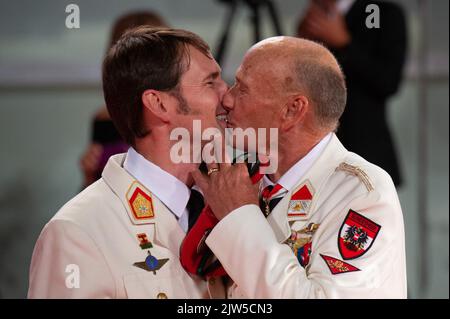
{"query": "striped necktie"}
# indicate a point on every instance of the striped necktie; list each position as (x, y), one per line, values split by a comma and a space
(270, 197)
(194, 206)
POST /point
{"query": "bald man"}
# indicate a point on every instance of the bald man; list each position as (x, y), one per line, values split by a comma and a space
(327, 223)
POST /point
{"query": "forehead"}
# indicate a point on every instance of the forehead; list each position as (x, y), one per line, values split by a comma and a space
(257, 68)
(200, 65)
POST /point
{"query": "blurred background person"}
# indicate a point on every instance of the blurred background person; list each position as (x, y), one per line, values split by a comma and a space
(372, 60)
(105, 139)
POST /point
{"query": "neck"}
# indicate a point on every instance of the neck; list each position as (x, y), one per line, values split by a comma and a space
(157, 150)
(291, 151)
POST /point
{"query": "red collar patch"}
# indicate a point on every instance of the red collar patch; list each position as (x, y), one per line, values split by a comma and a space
(140, 203)
(356, 235)
(300, 202)
(337, 266)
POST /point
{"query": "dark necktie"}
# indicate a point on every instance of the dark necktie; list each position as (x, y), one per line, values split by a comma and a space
(194, 207)
(270, 197)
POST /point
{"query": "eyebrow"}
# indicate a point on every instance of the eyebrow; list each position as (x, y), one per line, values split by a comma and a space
(213, 76)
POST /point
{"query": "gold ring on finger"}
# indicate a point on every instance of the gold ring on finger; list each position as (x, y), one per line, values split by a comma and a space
(212, 170)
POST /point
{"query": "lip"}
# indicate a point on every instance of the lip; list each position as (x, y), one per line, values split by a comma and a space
(222, 119)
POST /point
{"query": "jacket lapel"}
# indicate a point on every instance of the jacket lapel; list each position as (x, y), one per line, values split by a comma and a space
(141, 206)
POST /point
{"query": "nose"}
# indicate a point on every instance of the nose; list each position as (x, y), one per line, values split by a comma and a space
(223, 88)
(228, 101)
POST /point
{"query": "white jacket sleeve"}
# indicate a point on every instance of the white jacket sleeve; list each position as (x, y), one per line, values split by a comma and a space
(262, 267)
(66, 263)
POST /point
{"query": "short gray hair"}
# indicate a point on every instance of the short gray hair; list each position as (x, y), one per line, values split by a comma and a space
(326, 88)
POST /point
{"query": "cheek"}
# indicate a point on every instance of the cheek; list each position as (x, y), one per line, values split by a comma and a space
(243, 104)
(249, 107)
(259, 114)
(205, 103)
(213, 96)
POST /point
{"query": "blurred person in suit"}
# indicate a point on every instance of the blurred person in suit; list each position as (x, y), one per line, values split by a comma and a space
(105, 139)
(372, 60)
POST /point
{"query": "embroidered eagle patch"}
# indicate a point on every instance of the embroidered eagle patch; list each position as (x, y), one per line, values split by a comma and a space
(356, 235)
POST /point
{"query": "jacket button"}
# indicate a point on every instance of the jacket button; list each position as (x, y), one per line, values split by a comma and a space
(161, 295)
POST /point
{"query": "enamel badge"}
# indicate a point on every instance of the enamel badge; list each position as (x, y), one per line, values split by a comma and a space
(356, 235)
(140, 202)
(301, 200)
(337, 266)
(144, 243)
(300, 243)
(151, 263)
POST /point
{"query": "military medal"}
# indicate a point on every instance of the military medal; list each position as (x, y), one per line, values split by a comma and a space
(271, 194)
(266, 207)
(143, 241)
(151, 263)
(301, 243)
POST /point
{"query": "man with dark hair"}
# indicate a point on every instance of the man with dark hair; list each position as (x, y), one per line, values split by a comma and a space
(105, 140)
(327, 223)
(120, 237)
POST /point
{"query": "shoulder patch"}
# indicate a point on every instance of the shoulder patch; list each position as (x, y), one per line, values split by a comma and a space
(358, 172)
(356, 235)
(337, 266)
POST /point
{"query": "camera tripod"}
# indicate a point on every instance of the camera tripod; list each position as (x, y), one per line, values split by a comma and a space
(255, 7)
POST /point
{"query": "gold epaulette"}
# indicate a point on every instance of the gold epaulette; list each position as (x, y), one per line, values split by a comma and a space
(358, 172)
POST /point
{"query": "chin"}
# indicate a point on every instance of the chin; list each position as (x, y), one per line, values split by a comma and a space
(222, 125)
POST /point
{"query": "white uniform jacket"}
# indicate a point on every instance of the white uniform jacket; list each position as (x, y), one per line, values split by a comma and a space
(113, 240)
(338, 234)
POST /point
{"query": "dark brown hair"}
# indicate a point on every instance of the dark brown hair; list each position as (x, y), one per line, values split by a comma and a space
(133, 20)
(144, 58)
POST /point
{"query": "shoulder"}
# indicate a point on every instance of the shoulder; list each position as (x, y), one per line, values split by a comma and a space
(89, 208)
(368, 178)
(364, 192)
(375, 173)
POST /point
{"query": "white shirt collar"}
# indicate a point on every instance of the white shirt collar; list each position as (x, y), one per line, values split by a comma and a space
(169, 189)
(296, 172)
(344, 6)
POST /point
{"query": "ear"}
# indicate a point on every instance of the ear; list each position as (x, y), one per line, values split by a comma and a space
(296, 109)
(153, 102)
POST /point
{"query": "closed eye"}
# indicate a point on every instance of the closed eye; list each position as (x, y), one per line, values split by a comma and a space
(211, 78)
